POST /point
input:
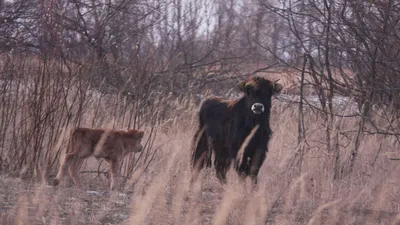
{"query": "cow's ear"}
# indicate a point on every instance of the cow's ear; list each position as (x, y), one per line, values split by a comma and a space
(277, 87)
(242, 86)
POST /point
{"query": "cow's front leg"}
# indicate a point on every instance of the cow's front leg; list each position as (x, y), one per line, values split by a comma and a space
(256, 163)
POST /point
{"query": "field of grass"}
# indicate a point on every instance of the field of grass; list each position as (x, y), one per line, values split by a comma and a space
(298, 184)
(310, 180)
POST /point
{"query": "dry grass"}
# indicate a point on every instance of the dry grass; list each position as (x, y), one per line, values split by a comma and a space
(298, 184)
(291, 190)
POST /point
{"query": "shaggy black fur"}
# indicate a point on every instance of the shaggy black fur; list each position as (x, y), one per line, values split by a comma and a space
(224, 126)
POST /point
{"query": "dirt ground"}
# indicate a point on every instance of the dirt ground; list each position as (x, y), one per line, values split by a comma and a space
(24, 202)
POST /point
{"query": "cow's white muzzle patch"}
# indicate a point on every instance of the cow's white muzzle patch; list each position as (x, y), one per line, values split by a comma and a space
(257, 108)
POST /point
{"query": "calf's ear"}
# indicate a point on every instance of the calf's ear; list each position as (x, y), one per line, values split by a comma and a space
(277, 87)
(139, 134)
(242, 86)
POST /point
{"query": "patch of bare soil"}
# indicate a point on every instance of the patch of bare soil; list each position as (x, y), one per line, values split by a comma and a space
(23, 202)
(30, 203)
(207, 202)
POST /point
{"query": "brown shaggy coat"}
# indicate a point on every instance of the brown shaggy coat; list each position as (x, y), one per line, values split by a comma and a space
(111, 145)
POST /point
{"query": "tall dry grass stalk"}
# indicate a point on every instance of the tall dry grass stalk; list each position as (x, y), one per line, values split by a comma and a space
(245, 143)
(320, 209)
(230, 198)
(143, 205)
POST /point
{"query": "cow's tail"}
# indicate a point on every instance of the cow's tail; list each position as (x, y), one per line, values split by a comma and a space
(201, 152)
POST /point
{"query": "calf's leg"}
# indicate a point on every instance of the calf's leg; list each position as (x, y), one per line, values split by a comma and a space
(68, 160)
(114, 163)
(74, 172)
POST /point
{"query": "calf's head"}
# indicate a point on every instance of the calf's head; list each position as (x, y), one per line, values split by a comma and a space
(134, 139)
(259, 92)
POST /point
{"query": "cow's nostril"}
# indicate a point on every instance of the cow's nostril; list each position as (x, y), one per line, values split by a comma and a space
(257, 108)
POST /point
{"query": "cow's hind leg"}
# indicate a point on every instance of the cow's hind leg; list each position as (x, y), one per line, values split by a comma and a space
(201, 153)
(222, 163)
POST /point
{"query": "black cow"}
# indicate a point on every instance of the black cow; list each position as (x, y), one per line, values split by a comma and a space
(229, 124)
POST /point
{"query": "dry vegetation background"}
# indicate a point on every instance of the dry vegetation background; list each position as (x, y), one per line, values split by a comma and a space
(148, 64)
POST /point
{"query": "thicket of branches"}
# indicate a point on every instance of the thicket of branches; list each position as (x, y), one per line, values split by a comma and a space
(55, 52)
(348, 48)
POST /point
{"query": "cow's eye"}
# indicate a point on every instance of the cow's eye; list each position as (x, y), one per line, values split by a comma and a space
(265, 91)
(262, 91)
